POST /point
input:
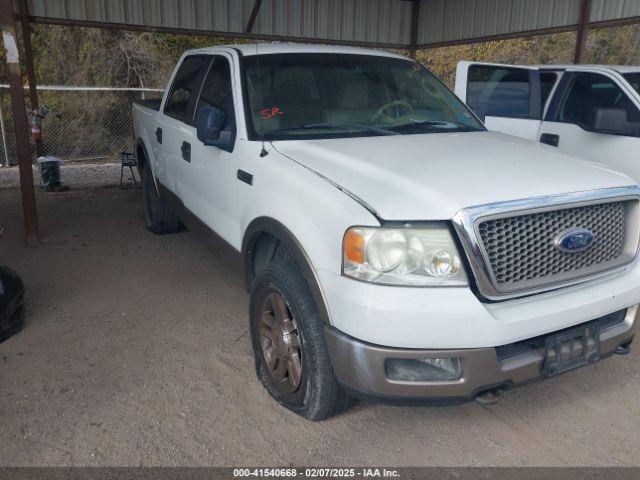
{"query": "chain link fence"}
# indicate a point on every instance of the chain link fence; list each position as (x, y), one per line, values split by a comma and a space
(84, 124)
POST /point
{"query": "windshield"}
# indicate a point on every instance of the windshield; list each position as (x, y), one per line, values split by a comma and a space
(294, 96)
(633, 79)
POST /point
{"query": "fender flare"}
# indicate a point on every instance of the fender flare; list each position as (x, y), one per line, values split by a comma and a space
(270, 226)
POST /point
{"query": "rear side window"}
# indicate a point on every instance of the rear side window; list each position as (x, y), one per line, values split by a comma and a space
(184, 91)
(499, 91)
(590, 91)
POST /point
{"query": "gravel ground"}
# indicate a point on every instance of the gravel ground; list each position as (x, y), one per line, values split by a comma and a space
(74, 175)
(136, 352)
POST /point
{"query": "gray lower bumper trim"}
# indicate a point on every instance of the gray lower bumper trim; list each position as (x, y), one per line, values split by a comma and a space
(361, 366)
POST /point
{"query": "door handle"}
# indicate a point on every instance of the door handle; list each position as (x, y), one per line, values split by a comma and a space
(245, 177)
(159, 135)
(550, 139)
(186, 151)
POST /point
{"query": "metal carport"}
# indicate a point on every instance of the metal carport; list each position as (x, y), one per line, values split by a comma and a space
(399, 24)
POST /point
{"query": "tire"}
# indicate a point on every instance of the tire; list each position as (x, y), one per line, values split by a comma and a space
(308, 387)
(158, 216)
(14, 326)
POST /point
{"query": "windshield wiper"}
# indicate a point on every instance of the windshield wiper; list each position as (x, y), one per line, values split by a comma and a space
(341, 126)
(441, 125)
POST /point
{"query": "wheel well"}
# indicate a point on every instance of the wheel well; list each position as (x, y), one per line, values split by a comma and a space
(141, 156)
(267, 239)
(263, 249)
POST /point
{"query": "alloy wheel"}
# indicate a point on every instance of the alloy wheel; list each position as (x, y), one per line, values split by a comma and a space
(280, 342)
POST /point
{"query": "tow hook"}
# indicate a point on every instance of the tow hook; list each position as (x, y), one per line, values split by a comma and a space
(490, 397)
(622, 349)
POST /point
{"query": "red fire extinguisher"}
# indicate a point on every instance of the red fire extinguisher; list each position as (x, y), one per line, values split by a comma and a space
(36, 123)
(36, 126)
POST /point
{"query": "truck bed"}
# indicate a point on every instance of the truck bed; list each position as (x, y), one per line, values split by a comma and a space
(152, 104)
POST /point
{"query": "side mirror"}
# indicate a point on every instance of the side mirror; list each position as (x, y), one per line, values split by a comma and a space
(610, 120)
(211, 130)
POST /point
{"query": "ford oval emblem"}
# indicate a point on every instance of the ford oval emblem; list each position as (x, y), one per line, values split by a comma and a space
(574, 240)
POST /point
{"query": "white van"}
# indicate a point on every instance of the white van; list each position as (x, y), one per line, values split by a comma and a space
(590, 111)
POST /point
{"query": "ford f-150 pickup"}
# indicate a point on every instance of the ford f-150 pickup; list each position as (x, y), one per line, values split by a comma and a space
(393, 248)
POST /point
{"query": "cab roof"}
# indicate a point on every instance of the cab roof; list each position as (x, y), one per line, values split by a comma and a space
(273, 48)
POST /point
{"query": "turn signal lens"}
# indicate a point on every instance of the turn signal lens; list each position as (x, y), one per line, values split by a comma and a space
(354, 246)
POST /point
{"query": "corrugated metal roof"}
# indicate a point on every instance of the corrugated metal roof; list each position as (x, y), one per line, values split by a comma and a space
(454, 20)
(381, 22)
(458, 20)
(603, 10)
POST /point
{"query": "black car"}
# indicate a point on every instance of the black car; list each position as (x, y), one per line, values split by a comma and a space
(11, 301)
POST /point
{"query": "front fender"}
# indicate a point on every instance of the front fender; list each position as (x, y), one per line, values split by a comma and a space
(304, 212)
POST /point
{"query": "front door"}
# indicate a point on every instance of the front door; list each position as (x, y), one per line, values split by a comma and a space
(216, 194)
(592, 116)
(506, 98)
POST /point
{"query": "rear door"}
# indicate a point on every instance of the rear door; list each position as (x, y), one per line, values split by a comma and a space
(176, 122)
(594, 114)
(506, 98)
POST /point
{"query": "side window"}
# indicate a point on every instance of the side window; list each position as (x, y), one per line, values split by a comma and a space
(184, 91)
(499, 91)
(216, 90)
(596, 102)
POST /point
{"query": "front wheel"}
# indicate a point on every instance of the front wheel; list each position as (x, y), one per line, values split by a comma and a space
(291, 356)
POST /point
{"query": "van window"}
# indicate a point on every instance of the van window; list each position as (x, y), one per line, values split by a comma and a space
(547, 81)
(498, 91)
(590, 91)
(184, 91)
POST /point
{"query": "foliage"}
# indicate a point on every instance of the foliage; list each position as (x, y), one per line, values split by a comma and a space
(101, 57)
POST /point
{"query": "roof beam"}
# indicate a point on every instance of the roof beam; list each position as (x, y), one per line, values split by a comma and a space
(16, 91)
(31, 71)
(207, 33)
(583, 31)
(415, 17)
(254, 15)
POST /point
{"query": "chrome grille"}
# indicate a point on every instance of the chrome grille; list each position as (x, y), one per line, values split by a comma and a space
(510, 245)
(521, 248)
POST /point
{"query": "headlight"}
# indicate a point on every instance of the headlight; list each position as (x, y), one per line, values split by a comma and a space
(403, 256)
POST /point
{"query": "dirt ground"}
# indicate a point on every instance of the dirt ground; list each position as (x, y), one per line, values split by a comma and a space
(136, 352)
(76, 175)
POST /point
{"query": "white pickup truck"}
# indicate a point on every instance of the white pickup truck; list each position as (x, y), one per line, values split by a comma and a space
(393, 248)
(589, 111)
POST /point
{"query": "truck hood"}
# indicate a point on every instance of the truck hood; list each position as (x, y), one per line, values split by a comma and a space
(432, 176)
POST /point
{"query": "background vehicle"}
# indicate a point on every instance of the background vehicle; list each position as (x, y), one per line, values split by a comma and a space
(393, 248)
(11, 301)
(590, 111)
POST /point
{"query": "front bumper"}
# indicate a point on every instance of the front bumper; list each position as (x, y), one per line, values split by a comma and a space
(360, 366)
